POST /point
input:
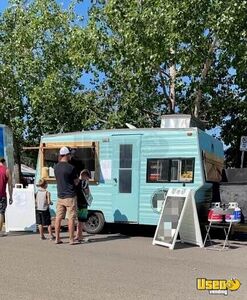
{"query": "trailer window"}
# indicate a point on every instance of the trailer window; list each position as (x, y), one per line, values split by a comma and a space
(50, 157)
(83, 157)
(125, 156)
(187, 169)
(170, 170)
(125, 169)
(158, 170)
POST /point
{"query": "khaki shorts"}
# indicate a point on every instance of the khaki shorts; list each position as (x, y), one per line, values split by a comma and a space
(69, 205)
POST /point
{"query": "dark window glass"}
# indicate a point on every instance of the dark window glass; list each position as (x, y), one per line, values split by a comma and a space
(125, 179)
(125, 156)
(165, 170)
(170, 170)
(175, 170)
(84, 158)
(158, 170)
(50, 157)
(187, 170)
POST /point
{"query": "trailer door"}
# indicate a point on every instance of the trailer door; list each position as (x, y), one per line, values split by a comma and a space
(126, 177)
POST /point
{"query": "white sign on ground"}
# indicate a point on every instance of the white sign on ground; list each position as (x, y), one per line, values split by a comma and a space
(20, 216)
(178, 215)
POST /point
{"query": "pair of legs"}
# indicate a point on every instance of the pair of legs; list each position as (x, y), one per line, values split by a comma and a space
(82, 215)
(41, 231)
(1, 221)
(63, 205)
(43, 218)
(79, 231)
(71, 224)
(3, 205)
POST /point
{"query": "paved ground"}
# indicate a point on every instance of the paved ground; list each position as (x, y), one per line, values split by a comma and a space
(113, 266)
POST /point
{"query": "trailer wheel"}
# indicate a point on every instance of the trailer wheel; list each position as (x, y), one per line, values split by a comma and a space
(95, 222)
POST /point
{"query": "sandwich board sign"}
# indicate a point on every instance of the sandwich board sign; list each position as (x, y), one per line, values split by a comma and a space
(178, 215)
(20, 215)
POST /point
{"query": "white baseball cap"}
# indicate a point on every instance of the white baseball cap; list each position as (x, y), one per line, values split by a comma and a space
(64, 151)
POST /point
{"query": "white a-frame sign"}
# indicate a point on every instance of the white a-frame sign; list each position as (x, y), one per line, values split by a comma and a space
(178, 215)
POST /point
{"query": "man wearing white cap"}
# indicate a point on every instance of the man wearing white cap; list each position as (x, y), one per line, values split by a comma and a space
(67, 180)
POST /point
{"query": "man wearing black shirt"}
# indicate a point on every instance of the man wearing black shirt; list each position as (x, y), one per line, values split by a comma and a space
(76, 162)
(67, 180)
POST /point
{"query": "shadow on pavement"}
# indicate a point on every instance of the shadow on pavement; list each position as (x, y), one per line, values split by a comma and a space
(99, 238)
(20, 233)
(131, 229)
(108, 238)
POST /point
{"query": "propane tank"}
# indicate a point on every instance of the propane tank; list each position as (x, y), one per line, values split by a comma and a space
(233, 213)
(215, 213)
(237, 214)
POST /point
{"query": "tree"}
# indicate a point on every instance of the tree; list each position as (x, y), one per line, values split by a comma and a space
(164, 56)
(39, 82)
(144, 57)
(145, 49)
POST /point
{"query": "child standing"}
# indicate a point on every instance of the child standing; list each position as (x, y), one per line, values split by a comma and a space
(82, 205)
(43, 216)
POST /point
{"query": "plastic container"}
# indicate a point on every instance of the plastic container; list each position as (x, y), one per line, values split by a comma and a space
(44, 172)
(215, 213)
(51, 172)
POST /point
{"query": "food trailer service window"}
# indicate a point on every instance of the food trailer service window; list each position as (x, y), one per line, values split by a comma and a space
(170, 169)
(84, 156)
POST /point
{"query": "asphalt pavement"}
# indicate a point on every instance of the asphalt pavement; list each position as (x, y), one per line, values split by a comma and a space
(119, 264)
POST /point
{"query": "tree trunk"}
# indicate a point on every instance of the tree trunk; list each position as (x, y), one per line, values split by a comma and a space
(172, 88)
(205, 70)
(17, 159)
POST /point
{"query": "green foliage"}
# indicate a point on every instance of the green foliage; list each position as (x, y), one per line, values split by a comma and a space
(144, 57)
(152, 48)
(39, 82)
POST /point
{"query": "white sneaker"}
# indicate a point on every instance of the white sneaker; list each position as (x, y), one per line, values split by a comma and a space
(3, 234)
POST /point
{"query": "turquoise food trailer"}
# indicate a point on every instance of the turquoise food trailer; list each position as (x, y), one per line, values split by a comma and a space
(132, 169)
(6, 145)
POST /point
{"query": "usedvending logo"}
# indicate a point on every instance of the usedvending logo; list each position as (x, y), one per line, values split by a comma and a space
(217, 286)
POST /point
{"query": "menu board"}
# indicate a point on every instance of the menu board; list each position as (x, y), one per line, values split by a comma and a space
(178, 215)
(169, 219)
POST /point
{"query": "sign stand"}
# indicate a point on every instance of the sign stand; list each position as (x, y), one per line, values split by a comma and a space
(226, 228)
(178, 215)
(20, 215)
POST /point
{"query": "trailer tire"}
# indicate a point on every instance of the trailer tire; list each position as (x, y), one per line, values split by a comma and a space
(95, 222)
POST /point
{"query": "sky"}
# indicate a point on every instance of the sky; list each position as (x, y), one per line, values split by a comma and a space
(81, 9)
(3, 4)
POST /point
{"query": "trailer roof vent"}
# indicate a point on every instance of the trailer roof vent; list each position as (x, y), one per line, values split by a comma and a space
(180, 121)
